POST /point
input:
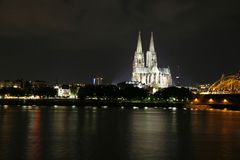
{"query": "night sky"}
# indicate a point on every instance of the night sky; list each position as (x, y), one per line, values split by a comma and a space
(74, 40)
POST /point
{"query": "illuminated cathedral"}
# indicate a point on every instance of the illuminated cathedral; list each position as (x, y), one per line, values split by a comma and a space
(147, 71)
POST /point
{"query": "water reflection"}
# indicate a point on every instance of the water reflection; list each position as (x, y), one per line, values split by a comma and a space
(33, 143)
(103, 133)
(147, 135)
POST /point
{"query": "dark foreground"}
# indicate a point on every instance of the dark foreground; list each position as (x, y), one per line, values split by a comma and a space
(36, 133)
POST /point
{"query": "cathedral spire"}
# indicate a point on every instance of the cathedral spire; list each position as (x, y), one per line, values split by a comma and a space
(139, 55)
(151, 56)
(139, 43)
(151, 47)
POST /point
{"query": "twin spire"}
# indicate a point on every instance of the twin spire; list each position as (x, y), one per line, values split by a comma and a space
(151, 47)
(139, 44)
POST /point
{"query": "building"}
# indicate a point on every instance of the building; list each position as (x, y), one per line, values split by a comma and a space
(97, 80)
(11, 84)
(147, 71)
(39, 84)
(63, 90)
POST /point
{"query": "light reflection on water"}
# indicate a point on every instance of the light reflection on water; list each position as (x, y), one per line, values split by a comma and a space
(103, 133)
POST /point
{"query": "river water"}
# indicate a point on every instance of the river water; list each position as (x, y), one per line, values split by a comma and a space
(89, 133)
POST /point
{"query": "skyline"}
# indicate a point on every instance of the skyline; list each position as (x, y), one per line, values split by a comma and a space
(73, 41)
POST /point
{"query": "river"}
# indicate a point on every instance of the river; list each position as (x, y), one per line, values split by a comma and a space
(91, 133)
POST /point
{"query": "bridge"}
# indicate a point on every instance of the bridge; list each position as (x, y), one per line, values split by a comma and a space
(224, 93)
(226, 85)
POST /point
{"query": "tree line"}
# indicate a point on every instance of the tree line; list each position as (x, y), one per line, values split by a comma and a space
(105, 92)
(134, 93)
(20, 92)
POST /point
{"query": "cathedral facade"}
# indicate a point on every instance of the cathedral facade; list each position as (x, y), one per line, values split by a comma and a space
(147, 71)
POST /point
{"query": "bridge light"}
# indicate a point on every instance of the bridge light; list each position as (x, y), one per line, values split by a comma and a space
(224, 110)
(196, 100)
(225, 101)
(210, 100)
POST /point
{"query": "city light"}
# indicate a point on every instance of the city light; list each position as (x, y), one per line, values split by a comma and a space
(225, 101)
(210, 100)
(196, 100)
(135, 107)
(104, 107)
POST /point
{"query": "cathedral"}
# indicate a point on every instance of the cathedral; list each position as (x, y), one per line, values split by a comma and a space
(147, 71)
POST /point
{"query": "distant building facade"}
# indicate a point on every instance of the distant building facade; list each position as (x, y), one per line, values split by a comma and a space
(39, 84)
(147, 71)
(11, 84)
(63, 90)
(97, 80)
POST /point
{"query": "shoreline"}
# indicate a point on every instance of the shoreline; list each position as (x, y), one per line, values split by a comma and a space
(78, 102)
(112, 103)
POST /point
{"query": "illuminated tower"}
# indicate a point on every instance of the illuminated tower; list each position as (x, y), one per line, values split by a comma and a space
(138, 62)
(97, 80)
(139, 55)
(151, 56)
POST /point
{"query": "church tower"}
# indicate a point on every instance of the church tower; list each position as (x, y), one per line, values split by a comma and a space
(139, 55)
(151, 56)
(138, 62)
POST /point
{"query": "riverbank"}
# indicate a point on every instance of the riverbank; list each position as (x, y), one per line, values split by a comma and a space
(77, 102)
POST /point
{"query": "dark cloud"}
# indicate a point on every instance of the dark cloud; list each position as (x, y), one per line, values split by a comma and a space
(73, 40)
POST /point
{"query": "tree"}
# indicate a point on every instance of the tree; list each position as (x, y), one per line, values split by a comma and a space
(45, 91)
(74, 90)
(131, 92)
(15, 92)
(174, 92)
